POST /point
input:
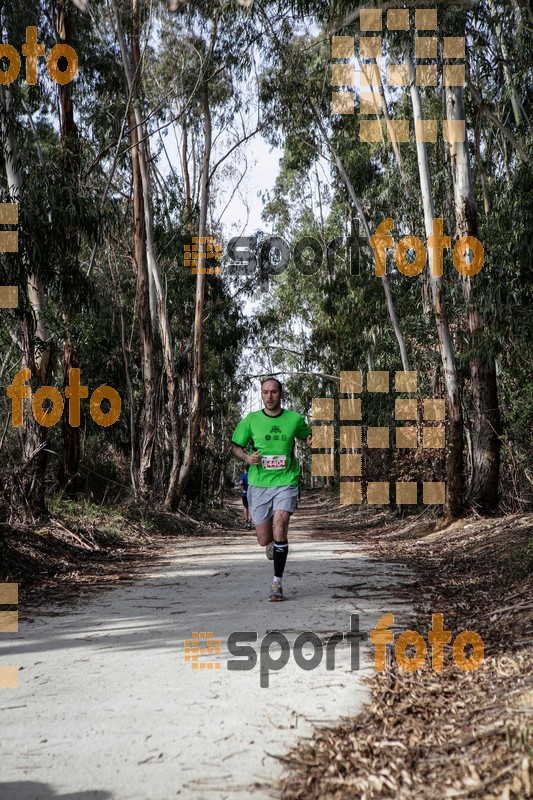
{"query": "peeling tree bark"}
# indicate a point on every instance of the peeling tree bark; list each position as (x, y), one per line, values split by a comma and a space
(148, 431)
(154, 274)
(195, 405)
(483, 491)
(454, 465)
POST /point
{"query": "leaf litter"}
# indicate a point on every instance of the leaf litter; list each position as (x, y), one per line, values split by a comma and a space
(429, 735)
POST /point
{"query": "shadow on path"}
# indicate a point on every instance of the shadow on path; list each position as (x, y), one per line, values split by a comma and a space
(32, 790)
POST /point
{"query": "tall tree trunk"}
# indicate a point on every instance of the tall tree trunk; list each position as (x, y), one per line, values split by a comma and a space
(483, 491)
(69, 465)
(384, 280)
(195, 404)
(454, 464)
(186, 176)
(34, 337)
(149, 425)
(154, 275)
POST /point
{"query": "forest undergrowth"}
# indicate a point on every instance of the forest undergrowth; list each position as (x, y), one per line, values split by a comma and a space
(81, 545)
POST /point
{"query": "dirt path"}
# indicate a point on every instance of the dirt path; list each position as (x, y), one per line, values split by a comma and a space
(107, 706)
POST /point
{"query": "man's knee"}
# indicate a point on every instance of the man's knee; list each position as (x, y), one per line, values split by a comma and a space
(264, 533)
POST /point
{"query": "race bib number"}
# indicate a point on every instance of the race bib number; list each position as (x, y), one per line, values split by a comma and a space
(274, 462)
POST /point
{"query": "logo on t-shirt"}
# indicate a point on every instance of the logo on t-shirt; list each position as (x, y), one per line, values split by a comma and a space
(275, 429)
(268, 437)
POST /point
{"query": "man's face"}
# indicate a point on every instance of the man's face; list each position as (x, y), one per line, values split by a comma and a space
(271, 395)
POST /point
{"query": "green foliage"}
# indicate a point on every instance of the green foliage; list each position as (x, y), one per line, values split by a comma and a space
(76, 230)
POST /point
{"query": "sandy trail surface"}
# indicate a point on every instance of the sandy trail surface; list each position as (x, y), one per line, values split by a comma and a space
(109, 709)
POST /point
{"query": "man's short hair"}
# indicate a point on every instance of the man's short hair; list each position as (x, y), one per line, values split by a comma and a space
(272, 379)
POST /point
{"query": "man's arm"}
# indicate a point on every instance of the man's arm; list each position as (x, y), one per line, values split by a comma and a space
(304, 432)
(240, 453)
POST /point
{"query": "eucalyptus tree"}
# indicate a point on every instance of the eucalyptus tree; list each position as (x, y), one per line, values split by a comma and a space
(221, 38)
(463, 179)
(179, 71)
(298, 107)
(51, 214)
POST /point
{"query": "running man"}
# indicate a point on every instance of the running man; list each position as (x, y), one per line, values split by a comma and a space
(244, 495)
(273, 474)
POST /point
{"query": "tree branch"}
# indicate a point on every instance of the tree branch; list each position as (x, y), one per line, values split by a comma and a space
(499, 124)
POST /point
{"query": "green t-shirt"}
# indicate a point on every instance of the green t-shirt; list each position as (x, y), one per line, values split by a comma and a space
(274, 438)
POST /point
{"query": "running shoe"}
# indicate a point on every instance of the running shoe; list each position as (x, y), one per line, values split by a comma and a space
(276, 593)
(269, 550)
(247, 525)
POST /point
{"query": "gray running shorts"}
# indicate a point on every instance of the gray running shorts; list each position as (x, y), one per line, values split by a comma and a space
(264, 501)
